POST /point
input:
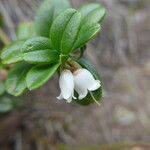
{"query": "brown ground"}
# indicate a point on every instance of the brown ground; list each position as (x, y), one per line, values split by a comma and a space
(121, 54)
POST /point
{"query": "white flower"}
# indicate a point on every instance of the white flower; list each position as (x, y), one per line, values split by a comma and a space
(66, 83)
(85, 82)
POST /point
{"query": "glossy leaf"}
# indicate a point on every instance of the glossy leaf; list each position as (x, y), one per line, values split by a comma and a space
(26, 30)
(64, 30)
(86, 9)
(87, 32)
(15, 83)
(47, 12)
(70, 33)
(35, 44)
(92, 15)
(98, 93)
(41, 56)
(38, 75)
(38, 50)
(12, 53)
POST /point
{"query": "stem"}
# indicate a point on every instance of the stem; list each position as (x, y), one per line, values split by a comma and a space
(82, 50)
(3, 37)
(73, 65)
(94, 99)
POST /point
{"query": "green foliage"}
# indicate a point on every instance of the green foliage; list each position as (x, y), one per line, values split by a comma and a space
(38, 50)
(45, 46)
(46, 13)
(73, 29)
(86, 33)
(46, 56)
(15, 83)
(38, 75)
(36, 43)
(7, 102)
(92, 15)
(26, 30)
(64, 30)
(12, 53)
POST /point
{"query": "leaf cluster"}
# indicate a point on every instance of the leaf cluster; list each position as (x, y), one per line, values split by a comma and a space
(45, 45)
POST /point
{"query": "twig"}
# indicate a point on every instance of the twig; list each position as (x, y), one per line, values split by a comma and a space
(94, 99)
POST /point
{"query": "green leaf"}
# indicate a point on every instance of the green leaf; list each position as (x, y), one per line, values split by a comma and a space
(38, 75)
(64, 30)
(12, 53)
(47, 12)
(86, 33)
(26, 30)
(96, 94)
(15, 83)
(2, 87)
(38, 50)
(88, 8)
(70, 33)
(41, 57)
(35, 44)
(5, 104)
(92, 15)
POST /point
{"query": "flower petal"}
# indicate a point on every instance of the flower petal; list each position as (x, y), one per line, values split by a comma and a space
(96, 85)
(81, 90)
(85, 81)
(66, 83)
(80, 83)
(69, 100)
(83, 95)
(59, 97)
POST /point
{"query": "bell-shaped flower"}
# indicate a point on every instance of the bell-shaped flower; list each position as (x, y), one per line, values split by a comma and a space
(66, 83)
(85, 82)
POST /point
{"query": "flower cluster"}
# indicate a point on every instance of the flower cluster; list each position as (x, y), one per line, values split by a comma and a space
(81, 80)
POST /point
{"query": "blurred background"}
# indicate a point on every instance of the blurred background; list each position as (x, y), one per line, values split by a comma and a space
(121, 53)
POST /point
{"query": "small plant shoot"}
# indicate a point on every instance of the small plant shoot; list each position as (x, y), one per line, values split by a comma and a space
(54, 43)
